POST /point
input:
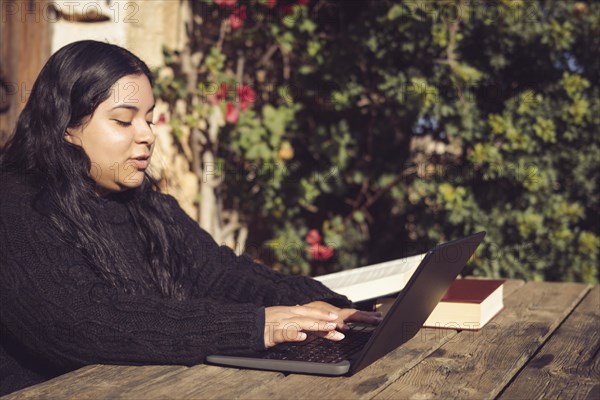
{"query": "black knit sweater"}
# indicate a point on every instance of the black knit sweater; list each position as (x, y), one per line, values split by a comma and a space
(57, 314)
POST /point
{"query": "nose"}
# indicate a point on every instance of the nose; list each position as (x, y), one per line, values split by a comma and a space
(146, 135)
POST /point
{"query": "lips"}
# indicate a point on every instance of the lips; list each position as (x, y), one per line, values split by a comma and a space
(141, 162)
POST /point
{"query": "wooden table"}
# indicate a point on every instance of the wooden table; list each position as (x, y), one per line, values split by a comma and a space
(544, 344)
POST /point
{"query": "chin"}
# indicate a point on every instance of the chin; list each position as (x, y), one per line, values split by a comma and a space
(133, 181)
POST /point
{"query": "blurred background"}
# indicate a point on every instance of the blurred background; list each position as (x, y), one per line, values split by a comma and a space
(322, 135)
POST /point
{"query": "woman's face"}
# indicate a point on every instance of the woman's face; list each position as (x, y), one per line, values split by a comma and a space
(118, 132)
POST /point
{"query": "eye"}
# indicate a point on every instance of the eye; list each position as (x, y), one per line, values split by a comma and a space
(122, 123)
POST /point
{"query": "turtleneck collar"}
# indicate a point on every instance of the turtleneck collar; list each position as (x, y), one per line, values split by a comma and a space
(113, 207)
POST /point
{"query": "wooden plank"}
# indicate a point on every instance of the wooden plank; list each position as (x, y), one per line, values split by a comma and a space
(371, 380)
(96, 382)
(568, 366)
(480, 364)
(202, 382)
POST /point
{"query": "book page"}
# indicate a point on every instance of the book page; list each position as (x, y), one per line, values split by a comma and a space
(372, 281)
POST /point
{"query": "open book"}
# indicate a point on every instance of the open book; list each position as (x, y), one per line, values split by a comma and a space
(373, 281)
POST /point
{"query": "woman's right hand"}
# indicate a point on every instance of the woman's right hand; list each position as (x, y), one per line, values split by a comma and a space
(285, 324)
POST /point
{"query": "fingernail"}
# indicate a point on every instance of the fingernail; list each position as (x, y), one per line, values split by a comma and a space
(345, 327)
(338, 335)
(302, 335)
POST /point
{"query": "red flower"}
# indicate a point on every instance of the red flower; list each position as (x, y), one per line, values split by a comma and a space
(247, 96)
(287, 9)
(232, 115)
(222, 92)
(226, 3)
(320, 252)
(237, 18)
(271, 3)
(313, 237)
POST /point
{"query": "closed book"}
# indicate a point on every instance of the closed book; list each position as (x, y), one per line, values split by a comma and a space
(468, 304)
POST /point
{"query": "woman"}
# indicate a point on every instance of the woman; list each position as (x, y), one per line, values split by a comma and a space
(98, 266)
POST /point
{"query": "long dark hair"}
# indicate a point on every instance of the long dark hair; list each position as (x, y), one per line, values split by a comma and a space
(74, 81)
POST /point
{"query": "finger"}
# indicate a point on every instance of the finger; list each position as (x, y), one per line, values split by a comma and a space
(334, 335)
(331, 335)
(371, 314)
(288, 335)
(312, 312)
(364, 316)
(313, 325)
(344, 316)
(305, 324)
(292, 331)
(341, 324)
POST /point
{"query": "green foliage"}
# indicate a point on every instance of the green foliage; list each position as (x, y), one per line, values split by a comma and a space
(389, 126)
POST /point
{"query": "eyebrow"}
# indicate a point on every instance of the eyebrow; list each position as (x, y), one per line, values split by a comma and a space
(130, 107)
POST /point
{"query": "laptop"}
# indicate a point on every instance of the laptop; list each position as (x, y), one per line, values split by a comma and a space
(365, 344)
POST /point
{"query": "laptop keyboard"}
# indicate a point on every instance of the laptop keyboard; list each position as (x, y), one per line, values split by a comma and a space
(317, 349)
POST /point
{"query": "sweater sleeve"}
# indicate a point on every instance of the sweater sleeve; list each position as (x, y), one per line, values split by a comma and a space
(57, 307)
(223, 274)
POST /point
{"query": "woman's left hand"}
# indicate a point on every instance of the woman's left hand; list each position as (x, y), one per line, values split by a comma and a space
(347, 314)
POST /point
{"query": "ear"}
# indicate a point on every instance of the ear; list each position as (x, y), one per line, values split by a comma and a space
(69, 137)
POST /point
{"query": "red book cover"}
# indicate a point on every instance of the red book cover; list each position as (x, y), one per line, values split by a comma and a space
(471, 290)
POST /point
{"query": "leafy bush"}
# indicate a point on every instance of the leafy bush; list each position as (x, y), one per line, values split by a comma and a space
(382, 127)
